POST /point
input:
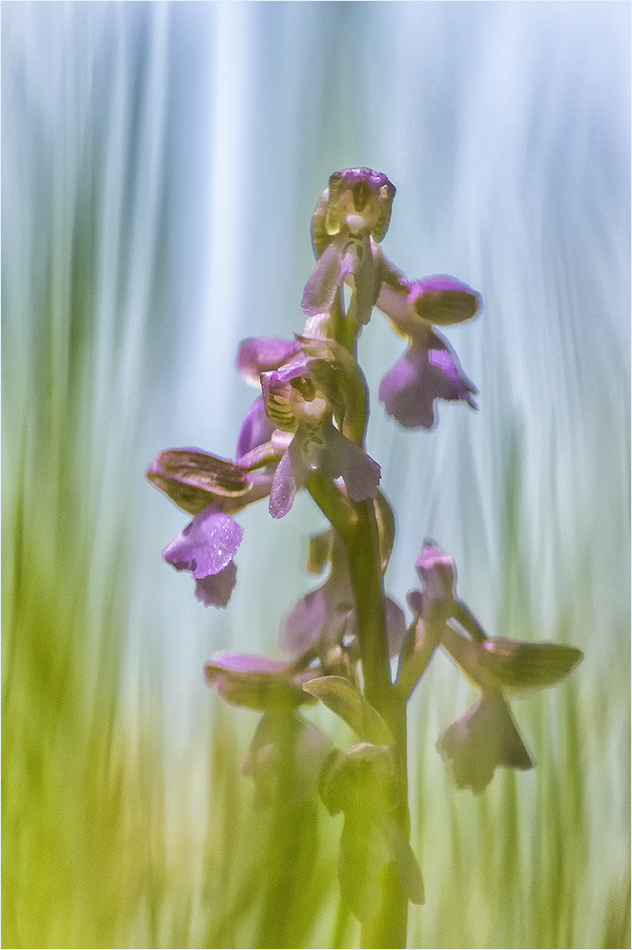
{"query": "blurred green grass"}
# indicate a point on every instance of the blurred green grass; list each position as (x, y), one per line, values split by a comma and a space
(105, 843)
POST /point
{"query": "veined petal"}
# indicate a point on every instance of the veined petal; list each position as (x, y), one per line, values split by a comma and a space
(443, 300)
(256, 682)
(193, 479)
(262, 355)
(411, 305)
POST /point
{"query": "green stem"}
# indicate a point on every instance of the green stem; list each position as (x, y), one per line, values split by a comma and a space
(358, 526)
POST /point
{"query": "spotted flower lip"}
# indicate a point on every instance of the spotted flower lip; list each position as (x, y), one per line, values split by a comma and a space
(206, 548)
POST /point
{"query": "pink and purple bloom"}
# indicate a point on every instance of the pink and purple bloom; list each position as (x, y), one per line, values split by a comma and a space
(213, 489)
(485, 737)
(300, 395)
(429, 369)
(327, 616)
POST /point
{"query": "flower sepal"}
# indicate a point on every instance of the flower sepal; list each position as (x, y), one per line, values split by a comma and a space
(193, 479)
(258, 682)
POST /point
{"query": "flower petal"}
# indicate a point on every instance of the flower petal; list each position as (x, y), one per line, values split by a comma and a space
(255, 431)
(229, 661)
(323, 616)
(215, 589)
(330, 271)
(484, 738)
(360, 472)
(262, 354)
(396, 629)
(305, 622)
(289, 477)
(366, 282)
(207, 545)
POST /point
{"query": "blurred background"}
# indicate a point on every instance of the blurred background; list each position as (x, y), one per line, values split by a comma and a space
(160, 165)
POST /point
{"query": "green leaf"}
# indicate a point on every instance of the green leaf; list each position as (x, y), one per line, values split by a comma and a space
(346, 702)
(362, 779)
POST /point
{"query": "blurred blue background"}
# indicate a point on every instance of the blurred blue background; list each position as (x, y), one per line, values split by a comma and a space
(160, 165)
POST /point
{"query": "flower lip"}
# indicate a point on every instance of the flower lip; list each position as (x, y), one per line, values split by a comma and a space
(428, 370)
(484, 738)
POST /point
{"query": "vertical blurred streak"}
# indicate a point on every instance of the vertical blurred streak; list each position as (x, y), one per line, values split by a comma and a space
(203, 393)
(71, 807)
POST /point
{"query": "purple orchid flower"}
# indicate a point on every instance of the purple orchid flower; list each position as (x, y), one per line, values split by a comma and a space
(352, 215)
(485, 737)
(327, 616)
(213, 489)
(294, 403)
(429, 369)
(295, 386)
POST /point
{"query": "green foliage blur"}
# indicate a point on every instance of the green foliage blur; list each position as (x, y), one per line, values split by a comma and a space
(120, 830)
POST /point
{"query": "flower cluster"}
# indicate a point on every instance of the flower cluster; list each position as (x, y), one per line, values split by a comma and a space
(311, 414)
(306, 430)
